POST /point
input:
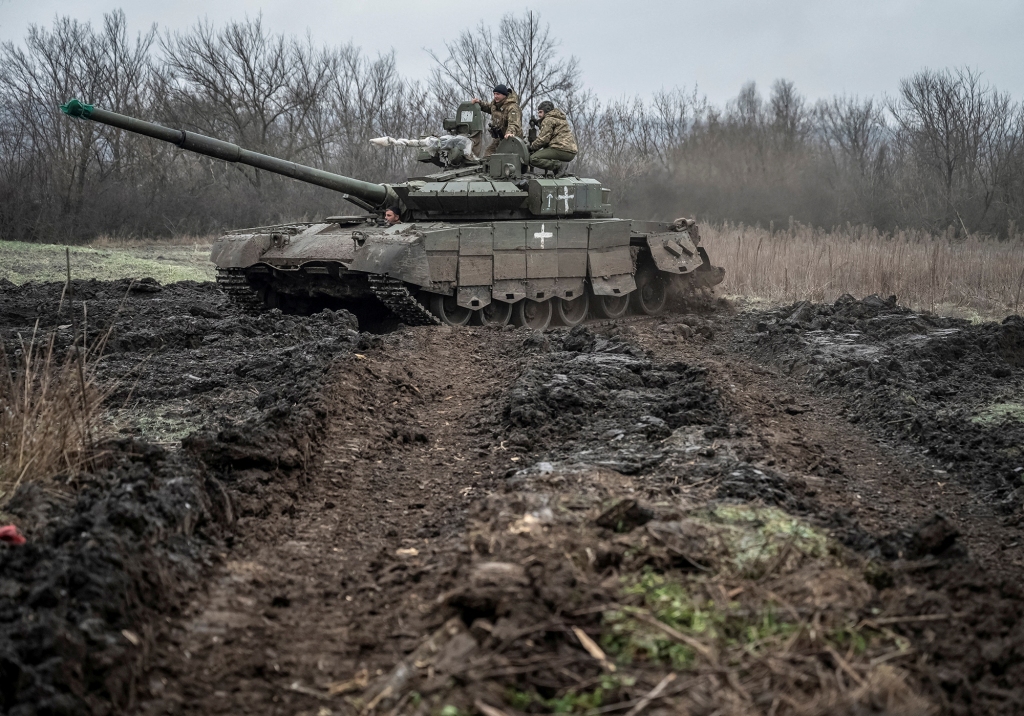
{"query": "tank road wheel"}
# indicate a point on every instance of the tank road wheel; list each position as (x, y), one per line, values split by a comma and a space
(572, 313)
(610, 306)
(495, 313)
(450, 312)
(532, 314)
(651, 292)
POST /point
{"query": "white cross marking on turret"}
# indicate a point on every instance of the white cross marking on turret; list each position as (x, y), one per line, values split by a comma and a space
(565, 197)
(542, 235)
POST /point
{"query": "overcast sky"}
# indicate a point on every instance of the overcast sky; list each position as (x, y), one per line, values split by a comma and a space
(825, 46)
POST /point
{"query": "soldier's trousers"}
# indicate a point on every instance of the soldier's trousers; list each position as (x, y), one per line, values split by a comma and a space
(550, 159)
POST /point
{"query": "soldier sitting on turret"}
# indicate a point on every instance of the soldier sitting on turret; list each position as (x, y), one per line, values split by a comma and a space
(555, 145)
(506, 117)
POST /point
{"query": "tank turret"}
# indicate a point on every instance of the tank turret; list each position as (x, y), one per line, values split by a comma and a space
(492, 188)
(480, 238)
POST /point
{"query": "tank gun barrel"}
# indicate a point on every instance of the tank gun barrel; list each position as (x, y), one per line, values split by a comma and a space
(362, 192)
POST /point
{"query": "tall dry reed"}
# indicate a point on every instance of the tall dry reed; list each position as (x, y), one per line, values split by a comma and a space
(50, 402)
(931, 272)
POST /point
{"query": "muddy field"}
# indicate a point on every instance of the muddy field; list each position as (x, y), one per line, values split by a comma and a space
(816, 509)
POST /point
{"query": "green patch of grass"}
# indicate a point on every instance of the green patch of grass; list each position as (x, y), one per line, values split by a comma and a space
(987, 312)
(572, 701)
(519, 700)
(845, 638)
(753, 537)
(577, 703)
(25, 262)
(667, 600)
(998, 412)
(747, 543)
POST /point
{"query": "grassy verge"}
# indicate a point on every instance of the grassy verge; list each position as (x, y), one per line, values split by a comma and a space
(976, 278)
(167, 263)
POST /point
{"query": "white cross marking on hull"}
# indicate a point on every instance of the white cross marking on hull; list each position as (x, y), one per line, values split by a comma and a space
(542, 235)
(565, 197)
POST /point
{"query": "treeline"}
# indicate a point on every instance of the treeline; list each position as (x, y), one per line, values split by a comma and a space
(67, 179)
(946, 151)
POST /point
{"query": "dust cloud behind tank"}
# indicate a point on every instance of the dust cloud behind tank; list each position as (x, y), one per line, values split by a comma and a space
(481, 239)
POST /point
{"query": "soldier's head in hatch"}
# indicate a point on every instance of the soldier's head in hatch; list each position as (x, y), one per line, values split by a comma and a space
(393, 215)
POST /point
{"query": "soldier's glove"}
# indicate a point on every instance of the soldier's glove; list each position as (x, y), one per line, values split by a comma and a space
(534, 122)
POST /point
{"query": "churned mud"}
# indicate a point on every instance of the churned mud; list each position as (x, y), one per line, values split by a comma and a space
(114, 550)
(810, 510)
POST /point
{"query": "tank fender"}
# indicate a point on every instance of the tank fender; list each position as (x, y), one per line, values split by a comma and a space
(674, 252)
(239, 250)
(398, 256)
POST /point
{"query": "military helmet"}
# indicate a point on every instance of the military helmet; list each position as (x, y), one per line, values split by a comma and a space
(545, 106)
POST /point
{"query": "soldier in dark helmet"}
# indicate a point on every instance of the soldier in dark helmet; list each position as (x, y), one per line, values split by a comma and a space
(555, 145)
(393, 215)
(506, 117)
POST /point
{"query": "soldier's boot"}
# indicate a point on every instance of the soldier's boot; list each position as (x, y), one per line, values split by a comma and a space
(548, 165)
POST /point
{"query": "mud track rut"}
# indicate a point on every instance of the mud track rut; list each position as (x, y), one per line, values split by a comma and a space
(312, 591)
(297, 603)
(883, 486)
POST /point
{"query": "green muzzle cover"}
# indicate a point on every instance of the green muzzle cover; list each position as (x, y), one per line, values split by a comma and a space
(74, 108)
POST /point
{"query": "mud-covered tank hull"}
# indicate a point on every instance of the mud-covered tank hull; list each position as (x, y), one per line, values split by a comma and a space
(530, 272)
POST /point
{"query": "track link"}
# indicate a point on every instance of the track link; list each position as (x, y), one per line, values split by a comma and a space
(235, 285)
(394, 294)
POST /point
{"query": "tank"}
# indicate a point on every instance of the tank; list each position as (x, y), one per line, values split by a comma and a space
(480, 239)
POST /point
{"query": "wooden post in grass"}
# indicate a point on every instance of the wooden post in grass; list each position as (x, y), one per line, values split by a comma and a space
(79, 357)
(1016, 300)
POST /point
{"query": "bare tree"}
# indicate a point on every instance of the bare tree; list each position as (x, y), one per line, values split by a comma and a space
(854, 132)
(520, 52)
(371, 99)
(242, 82)
(961, 135)
(790, 120)
(66, 160)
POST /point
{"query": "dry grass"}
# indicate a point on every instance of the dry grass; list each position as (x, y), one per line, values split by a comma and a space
(49, 407)
(107, 259)
(976, 277)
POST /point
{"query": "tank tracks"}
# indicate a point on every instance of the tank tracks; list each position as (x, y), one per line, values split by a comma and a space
(235, 285)
(394, 294)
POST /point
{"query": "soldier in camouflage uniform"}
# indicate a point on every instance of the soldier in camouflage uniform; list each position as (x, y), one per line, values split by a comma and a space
(506, 117)
(555, 145)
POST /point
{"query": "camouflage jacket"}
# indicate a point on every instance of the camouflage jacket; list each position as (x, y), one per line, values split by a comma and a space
(555, 133)
(506, 116)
